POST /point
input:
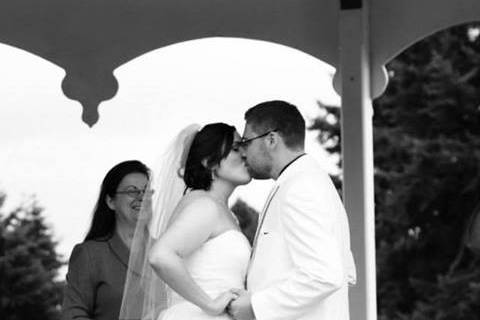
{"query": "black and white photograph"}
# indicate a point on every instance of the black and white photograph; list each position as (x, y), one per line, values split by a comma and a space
(240, 160)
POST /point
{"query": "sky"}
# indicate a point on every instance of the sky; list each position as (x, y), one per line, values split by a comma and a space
(49, 153)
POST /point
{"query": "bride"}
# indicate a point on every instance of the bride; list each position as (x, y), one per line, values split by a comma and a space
(188, 254)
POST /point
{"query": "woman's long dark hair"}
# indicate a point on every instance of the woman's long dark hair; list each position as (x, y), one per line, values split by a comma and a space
(103, 221)
(210, 145)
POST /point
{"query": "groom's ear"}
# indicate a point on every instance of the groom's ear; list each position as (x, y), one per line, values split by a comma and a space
(272, 140)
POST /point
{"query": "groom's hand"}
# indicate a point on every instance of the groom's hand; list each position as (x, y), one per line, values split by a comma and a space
(241, 307)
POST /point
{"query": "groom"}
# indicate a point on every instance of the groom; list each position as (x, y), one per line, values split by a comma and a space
(301, 262)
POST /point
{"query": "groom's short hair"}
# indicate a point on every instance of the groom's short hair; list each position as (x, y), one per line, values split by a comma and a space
(279, 115)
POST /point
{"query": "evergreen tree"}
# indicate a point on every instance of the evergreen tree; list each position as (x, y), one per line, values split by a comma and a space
(28, 266)
(247, 218)
(427, 177)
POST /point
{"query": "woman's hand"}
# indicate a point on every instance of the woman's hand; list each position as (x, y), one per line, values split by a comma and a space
(219, 304)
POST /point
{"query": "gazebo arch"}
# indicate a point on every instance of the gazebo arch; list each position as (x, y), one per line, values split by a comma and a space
(90, 39)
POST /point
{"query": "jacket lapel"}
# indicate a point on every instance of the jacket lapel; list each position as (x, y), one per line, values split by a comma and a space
(119, 249)
(261, 218)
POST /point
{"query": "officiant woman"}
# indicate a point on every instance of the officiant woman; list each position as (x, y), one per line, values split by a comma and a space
(98, 265)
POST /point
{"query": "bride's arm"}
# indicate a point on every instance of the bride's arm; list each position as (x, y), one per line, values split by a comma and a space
(192, 227)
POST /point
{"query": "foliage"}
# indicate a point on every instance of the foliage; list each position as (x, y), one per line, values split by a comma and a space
(28, 266)
(427, 177)
(247, 218)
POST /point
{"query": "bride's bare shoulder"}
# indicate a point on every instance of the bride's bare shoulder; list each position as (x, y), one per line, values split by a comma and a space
(199, 201)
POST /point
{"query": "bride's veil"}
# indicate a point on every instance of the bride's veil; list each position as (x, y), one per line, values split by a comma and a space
(145, 294)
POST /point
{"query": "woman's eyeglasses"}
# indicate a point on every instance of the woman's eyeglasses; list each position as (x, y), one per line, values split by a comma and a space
(136, 193)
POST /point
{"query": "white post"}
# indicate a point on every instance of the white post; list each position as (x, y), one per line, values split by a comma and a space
(357, 149)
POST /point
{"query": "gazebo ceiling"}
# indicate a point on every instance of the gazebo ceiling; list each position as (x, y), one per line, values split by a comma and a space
(91, 38)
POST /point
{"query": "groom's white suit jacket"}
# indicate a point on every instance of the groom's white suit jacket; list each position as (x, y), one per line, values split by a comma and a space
(301, 263)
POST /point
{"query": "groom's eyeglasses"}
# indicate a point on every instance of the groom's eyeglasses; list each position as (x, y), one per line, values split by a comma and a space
(245, 142)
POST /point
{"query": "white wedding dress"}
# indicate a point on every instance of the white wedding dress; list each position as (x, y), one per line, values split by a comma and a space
(219, 265)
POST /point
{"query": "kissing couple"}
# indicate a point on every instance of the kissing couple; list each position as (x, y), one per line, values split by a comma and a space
(189, 259)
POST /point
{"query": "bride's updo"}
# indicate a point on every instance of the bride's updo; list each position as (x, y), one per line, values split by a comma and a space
(210, 145)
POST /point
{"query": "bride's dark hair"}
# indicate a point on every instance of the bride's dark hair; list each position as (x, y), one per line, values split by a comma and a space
(210, 145)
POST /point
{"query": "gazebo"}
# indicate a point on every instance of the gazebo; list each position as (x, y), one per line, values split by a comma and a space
(90, 39)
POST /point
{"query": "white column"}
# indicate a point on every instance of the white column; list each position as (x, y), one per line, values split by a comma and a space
(357, 148)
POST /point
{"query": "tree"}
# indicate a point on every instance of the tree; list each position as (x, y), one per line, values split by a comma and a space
(427, 177)
(28, 266)
(247, 218)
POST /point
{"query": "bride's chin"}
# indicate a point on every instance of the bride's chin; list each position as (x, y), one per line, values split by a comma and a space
(242, 182)
(247, 180)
